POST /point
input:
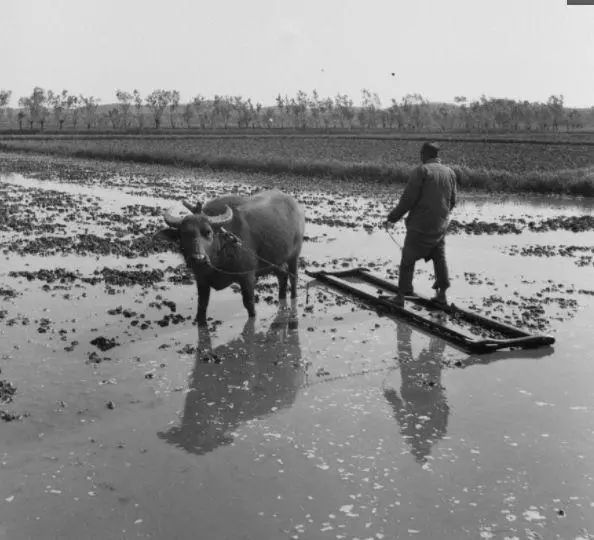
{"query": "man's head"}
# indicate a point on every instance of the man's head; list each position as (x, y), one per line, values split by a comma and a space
(429, 151)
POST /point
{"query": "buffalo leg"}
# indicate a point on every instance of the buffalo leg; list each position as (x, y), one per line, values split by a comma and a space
(282, 284)
(293, 275)
(203, 297)
(247, 293)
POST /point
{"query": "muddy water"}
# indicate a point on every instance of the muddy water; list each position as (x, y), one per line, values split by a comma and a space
(320, 419)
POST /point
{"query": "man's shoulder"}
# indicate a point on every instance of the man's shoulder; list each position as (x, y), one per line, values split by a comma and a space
(437, 166)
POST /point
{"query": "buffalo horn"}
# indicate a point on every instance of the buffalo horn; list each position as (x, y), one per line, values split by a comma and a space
(172, 220)
(223, 218)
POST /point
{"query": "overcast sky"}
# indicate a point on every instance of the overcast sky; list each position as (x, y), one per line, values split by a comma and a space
(520, 49)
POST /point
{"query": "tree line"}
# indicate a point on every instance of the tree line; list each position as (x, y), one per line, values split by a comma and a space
(43, 109)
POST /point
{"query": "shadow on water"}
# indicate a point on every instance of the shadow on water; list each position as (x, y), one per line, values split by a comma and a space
(248, 377)
(421, 408)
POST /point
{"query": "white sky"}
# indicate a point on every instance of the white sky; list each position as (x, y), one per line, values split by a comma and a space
(521, 49)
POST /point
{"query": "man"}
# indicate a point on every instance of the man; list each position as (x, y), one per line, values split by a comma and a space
(428, 197)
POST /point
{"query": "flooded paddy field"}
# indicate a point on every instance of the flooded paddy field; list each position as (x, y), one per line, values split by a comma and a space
(321, 418)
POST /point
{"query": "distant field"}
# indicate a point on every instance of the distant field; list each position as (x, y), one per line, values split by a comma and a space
(501, 166)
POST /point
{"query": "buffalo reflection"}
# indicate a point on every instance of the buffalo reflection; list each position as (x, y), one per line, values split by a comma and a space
(421, 409)
(248, 377)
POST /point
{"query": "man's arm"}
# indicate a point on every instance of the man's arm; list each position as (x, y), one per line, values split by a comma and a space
(453, 194)
(409, 196)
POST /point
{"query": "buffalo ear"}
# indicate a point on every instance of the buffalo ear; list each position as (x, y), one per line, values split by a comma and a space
(194, 208)
(168, 235)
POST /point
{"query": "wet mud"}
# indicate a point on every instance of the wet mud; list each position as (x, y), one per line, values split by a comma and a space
(321, 418)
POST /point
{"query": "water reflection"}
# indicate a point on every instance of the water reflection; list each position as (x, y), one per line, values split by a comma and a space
(250, 376)
(421, 409)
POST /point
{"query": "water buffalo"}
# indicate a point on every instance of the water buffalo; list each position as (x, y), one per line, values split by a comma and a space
(235, 239)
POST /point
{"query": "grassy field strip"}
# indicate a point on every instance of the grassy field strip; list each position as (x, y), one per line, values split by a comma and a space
(572, 139)
(502, 167)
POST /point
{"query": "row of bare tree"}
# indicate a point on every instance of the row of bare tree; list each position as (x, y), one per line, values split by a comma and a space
(412, 113)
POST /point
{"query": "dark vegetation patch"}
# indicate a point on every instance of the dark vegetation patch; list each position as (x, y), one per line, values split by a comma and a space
(61, 275)
(477, 227)
(104, 344)
(94, 358)
(478, 153)
(7, 391)
(565, 223)
(87, 244)
(124, 278)
(7, 292)
(172, 318)
(534, 312)
(582, 255)
(109, 276)
(7, 416)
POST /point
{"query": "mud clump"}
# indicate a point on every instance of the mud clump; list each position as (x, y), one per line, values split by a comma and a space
(104, 344)
(7, 416)
(6, 293)
(125, 278)
(88, 244)
(109, 276)
(566, 223)
(7, 391)
(49, 276)
(173, 318)
(44, 325)
(482, 227)
(582, 255)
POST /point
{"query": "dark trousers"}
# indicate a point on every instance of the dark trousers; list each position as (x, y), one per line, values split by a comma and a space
(415, 248)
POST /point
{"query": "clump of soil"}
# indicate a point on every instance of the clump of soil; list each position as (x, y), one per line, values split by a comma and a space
(104, 344)
(125, 278)
(583, 255)
(570, 223)
(49, 276)
(6, 293)
(7, 391)
(7, 416)
(482, 227)
(173, 318)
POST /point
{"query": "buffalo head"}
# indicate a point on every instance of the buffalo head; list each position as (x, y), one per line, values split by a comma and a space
(196, 232)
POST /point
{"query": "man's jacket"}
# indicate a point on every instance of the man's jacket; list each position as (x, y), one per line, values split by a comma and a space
(428, 197)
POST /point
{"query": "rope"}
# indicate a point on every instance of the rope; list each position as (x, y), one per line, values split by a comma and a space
(237, 241)
(393, 239)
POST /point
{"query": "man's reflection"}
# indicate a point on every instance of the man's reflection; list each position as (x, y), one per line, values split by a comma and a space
(421, 408)
(250, 376)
